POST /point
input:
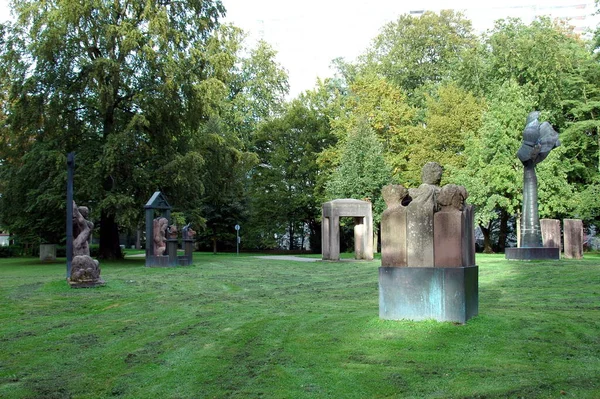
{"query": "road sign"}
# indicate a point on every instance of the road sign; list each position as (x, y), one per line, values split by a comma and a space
(237, 227)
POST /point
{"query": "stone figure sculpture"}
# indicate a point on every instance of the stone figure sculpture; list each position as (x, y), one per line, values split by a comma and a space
(187, 232)
(82, 230)
(85, 271)
(172, 232)
(159, 235)
(428, 266)
(538, 140)
(422, 203)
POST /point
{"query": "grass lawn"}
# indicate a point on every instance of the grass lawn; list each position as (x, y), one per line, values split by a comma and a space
(242, 327)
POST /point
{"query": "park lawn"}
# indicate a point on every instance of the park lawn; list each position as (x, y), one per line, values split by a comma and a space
(242, 327)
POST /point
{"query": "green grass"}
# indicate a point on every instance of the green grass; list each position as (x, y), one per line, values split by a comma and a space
(241, 327)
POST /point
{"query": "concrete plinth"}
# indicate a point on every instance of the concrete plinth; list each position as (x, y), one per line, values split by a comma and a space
(537, 253)
(422, 293)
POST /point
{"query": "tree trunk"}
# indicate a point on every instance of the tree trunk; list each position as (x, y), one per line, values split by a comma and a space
(109, 237)
(291, 234)
(214, 245)
(503, 231)
(487, 240)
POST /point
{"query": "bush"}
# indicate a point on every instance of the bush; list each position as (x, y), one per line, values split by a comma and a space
(10, 251)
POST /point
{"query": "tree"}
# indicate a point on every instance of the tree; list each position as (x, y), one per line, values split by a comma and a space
(373, 100)
(224, 202)
(362, 171)
(283, 184)
(413, 52)
(452, 116)
(126, 85)
(539, 57)
(493, 174)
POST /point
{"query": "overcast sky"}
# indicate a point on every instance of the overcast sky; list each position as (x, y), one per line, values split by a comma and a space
(308, 34)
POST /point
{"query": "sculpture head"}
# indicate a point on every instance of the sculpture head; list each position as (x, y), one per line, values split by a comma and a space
(84, 211)
(452, 196)
(538, 140)
(393, 194)
(432, 173)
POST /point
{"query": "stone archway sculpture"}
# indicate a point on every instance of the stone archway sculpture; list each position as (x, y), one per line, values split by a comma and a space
(362, 213)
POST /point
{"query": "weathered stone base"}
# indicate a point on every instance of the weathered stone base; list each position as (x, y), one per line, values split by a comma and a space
(86, 284)
(422, 293)
(535, 253)
(157, 261)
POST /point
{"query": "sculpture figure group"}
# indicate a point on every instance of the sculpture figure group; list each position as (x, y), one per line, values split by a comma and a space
(428, 226)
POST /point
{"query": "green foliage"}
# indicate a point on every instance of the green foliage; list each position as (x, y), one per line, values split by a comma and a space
(283, 184)
(493, 174)
(452, 116)
(362, 171)
(538, 57)
(413, 51)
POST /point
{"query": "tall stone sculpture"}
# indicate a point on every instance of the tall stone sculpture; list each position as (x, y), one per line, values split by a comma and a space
(428, 266)
(85, 271)
(538, 140)
(159, 234)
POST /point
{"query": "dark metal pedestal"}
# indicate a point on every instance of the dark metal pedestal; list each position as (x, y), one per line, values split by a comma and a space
(421, 293)
(535, 253)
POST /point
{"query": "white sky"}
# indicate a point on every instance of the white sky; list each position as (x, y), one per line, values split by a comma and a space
(308, 34)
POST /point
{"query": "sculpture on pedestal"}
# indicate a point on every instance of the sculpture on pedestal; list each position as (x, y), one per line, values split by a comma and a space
(538, 140)
(428, 266)
(85, 271)
(159, 234)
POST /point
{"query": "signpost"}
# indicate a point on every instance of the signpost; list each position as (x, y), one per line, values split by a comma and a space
(237, 238)
(70, 168)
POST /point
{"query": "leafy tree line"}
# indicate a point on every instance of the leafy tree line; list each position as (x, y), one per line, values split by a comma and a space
(161, 95)
(428, 88)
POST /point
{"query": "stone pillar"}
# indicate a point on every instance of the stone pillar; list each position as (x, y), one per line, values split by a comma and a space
(419, 218)
(393, 237)
(573, 238)
(172, 251)
(330, 227)
(325, 228)
(188, 247)
(359, 238)
(47, 252)
(448, 238)
(550, 233)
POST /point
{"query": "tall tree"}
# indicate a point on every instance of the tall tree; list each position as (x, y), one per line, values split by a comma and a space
(284, 183)
(126, 85)
(362, 171)
(415, 51)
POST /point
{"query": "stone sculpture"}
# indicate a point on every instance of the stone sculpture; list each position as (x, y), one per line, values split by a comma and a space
(428, 266)
(172, 232)
(159, 235)
(85, 271)
(362, 213)
(187, 232)
(393, 226)
(422, 203)
(538, 140)
(573, 238)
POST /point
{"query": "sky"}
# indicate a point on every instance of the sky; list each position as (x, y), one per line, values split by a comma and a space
(309, 34)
